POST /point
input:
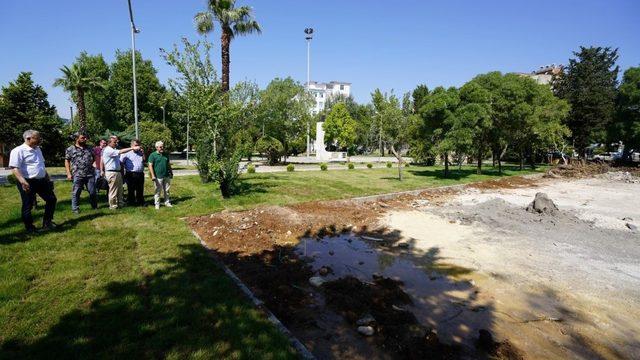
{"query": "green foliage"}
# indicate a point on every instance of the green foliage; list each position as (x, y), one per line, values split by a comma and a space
(284, 112)
(350, 166)
(98, 100)
(406, 164)
(369, 165)
(251, 169)
(389, 164)
(323, 167)
(589, 85)
(290, 167)
(340, 127)
(627, 126)
(271, 148)
(24, 106)
(150, 132)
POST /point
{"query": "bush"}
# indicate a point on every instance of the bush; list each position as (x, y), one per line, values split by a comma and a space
(389, 164)
(251, 169)
(369, 165)
(323, 167)
(11, 179)
(406, 164)
(290, 167)
(350, 166)
(271, 148)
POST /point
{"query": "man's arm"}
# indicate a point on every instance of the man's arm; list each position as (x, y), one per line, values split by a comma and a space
(151, 172)
(67, 166)
(21, 179)
(126, 150)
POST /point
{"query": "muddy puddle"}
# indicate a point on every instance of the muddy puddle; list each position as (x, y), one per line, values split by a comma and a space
(440, 296)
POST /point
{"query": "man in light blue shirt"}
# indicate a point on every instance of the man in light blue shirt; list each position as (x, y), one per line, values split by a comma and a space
(111, 170)
(27, 164)
(133, 163)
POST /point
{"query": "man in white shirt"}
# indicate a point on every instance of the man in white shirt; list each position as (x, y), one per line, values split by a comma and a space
(27, 164)
(112, 170)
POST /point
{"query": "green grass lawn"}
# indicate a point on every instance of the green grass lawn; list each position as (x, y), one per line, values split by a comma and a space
(136, 283)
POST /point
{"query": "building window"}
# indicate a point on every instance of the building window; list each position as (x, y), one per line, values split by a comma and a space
(341, 87)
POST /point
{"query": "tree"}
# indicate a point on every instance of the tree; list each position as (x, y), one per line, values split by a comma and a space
(473, 119)
(436, 111)
(233, 22)
(150, 92)
(419, 94)
(394, 121)
(589, 85)
(339, 127)
(150, 132)
(24, 106)
(78, 81)
(627, 126)
(284, 110)
(271, 148)
(98, 102)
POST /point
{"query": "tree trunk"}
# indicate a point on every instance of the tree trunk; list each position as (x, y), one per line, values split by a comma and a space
(82, 121)
(399, 157)
(521, 160)
(504, 151)
(479, 171)
(446, 164)
(225, 44)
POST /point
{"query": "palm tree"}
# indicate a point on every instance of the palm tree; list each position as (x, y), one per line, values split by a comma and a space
(233, 22)
(78, 81)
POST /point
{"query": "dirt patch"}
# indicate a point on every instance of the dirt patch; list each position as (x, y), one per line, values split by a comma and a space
(512, 182)
(577, 170)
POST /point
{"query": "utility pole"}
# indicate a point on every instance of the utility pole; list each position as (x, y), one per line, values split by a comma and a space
(309, 32)
(187, 138)
(134, 31)
(163, 120)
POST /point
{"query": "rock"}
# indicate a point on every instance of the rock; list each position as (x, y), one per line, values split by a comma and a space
(631, 227)
(366, 330)
(431, 339)
(383, 205)
(403, 245)
(542, 205)
(324, 270)
(360, 262)
(626, 218)
(366, 320)
(370, 238)
(288, 232)
(316, 281)
(245, 226)
(331, 252)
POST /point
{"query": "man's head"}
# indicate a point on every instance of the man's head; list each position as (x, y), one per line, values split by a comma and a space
(135, 142)
(113, 141)
(102, 143)
(32, 138)
(159, 146)
(81, 139)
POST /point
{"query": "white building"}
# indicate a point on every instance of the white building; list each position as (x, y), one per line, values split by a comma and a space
(321, 92)
(544, 75)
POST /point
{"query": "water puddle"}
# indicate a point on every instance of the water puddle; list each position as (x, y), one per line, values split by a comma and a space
(440, 300)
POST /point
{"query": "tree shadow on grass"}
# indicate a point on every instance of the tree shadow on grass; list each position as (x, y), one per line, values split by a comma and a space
(457, 174)
(188, 308)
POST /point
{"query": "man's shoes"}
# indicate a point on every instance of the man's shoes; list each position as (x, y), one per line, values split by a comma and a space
(31, 230)
(157, 206)
(49, 226)
(168, 204)
(75, 212)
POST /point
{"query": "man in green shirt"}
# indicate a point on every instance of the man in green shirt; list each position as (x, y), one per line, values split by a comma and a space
(161, 174)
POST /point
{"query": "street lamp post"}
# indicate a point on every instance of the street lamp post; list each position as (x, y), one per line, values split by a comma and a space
(187, 138)
(308, 37)
(163, 120)
(134, 31)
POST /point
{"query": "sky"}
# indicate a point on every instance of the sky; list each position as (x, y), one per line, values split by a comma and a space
(391, 45)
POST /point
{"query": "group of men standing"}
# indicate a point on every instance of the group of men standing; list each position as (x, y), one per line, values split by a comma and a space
(84, 166)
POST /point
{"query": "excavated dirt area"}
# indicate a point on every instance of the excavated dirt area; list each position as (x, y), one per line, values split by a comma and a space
(449, 273)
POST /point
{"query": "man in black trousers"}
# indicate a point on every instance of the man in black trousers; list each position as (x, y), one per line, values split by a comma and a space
(27, 164)
(133, 164)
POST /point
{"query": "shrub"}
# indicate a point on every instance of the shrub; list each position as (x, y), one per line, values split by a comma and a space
(369, 165)
(389, 164)
(350, 166)
(323, 167)
(271, 148)
(406, 164)
(11, 179)
(251, 169)
(290, 167)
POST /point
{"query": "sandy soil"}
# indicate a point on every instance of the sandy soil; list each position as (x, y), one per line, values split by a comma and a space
(568, 285)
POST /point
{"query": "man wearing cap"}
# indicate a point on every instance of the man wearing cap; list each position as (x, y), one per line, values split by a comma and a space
(78, 161)
(27, 164)
(112, 170)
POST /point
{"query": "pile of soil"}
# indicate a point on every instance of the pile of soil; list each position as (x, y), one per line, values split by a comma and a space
(397, 329)
(577, 170)
(510, 182)
(542, 204)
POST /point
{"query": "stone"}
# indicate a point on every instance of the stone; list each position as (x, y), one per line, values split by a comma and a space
(316, 281)
(542, 204)
(366, 330)
(288, 232)
(366, 320)
(323, 271)
(631, 227)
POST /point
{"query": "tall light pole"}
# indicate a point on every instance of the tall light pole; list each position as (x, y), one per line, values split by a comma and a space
(187, 137)
(163, 120)
(308, 37)
(134, 31)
